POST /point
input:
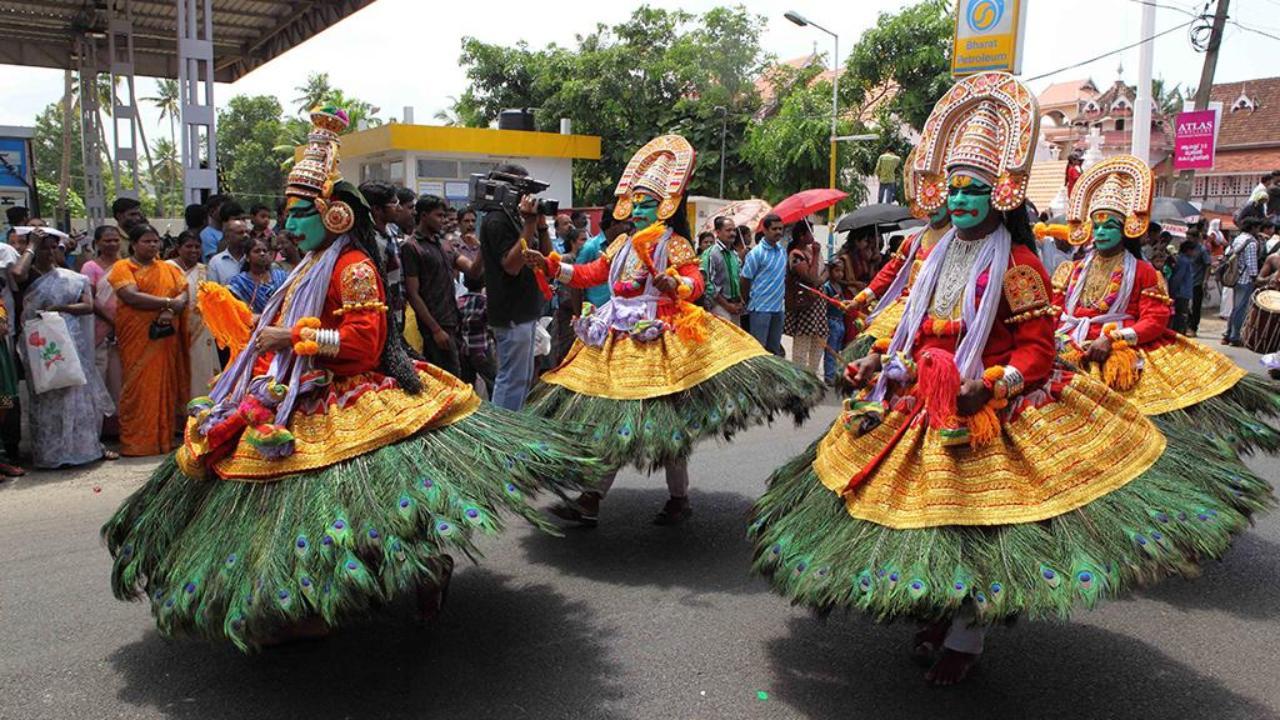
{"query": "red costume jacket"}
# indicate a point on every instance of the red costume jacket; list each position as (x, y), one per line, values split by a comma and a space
(354, 306)
(1022, 335)
(1148, 305)
(680, 255)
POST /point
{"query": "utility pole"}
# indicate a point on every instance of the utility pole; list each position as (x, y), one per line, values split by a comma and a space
(724, 128)
(1182, 188)
(1141, 136)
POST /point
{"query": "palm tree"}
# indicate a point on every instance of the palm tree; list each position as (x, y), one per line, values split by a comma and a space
(293, 134)
(315, 92)
(168, 100)
(1168, 100)
(359, 111)
(449, 115)
(64, 171)
(168, 169)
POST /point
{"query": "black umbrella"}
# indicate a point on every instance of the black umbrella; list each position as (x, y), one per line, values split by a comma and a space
(1170, 208)
(875, 214)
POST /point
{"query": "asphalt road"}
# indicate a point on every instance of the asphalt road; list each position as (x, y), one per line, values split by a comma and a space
(627, 621)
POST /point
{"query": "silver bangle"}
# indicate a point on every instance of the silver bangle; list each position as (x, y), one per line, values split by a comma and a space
(328, 342)
(1013, 381)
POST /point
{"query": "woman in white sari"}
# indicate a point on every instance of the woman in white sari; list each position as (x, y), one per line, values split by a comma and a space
(66, 422)
(203, 353)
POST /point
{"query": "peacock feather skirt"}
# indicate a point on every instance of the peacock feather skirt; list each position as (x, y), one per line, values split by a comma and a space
(238, 560)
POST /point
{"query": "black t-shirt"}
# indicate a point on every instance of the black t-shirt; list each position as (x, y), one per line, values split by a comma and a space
(511, 299)
(433, 264)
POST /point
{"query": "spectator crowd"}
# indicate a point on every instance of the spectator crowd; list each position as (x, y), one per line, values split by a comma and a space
(462, 294)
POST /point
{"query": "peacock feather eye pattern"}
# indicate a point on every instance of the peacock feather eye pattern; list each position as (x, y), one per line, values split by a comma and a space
(1050, 576)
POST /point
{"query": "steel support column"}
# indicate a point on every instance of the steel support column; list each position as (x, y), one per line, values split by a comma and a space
(124, 105)
(195, 84)
(95, 200)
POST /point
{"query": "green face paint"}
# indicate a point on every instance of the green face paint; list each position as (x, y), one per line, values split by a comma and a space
(1108, 234)
(969, 204)
(305, 220)
(940, 216)
(645, 212)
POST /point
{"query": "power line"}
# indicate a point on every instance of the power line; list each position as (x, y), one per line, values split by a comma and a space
(1104, 55)
(1256, 31)
(1184, 11)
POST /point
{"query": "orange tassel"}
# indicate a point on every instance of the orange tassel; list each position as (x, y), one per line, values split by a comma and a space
(1120, 372)
(984, 427)
(939, 386)
(642, 243)
(229, 320)
(1072, 355)
(690, 322)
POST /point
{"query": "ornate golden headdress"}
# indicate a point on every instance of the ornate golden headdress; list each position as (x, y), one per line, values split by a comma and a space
(313, 177)
(985, 126)
(1123, 185)
(662, 167)
(910, 189)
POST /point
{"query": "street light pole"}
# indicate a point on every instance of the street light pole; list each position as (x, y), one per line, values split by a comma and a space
(802, 21)
(724, 128)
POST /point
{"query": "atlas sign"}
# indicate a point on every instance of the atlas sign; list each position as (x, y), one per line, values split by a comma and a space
(1194, 140)
(988, 36)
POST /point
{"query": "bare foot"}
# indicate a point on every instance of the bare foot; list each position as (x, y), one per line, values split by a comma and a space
(928, 641)
(432, 596)
(584, 511)
(674, 512)
(952, 667)
(311, 628)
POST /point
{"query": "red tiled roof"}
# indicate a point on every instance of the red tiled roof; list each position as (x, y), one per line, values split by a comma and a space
(875, 98)
(1247, 161)
(1064, 93)
(1260, 125)
(764, 83)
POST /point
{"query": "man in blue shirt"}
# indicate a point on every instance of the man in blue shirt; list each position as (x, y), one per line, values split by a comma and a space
(211, 234)
(763, 283)
(1243, 252)
(595, 246)
(1181, 285)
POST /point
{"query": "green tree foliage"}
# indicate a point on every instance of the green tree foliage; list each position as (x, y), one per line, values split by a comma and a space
(168, 175)
(250, 128)
(49, 199)
(790, 150)
(317, 91)
(660, 71)
(312, 93)
(909, 50)
(47, 149)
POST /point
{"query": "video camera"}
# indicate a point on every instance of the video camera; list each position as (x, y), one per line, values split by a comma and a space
(502, 191)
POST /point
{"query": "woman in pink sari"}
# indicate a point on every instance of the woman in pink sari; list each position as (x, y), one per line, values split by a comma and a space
(106, 246)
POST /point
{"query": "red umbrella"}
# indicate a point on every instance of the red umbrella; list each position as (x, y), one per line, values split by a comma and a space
(807, 202)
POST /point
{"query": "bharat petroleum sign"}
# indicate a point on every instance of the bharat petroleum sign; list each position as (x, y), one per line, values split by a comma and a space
(988, 36)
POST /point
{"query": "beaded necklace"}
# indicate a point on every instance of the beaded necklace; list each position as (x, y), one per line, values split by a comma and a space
(1103, 301)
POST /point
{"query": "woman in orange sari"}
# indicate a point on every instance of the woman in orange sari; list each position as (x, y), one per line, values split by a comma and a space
(153, 344)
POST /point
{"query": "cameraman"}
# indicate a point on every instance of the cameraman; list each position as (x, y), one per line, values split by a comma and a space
(514, 300)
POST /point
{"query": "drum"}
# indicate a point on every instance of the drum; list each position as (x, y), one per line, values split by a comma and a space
(1261, 332)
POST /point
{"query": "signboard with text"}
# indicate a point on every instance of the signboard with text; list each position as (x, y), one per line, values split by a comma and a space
(1194, 138)
(988, 36)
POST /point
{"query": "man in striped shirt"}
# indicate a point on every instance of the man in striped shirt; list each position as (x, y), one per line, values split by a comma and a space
(763, 282)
